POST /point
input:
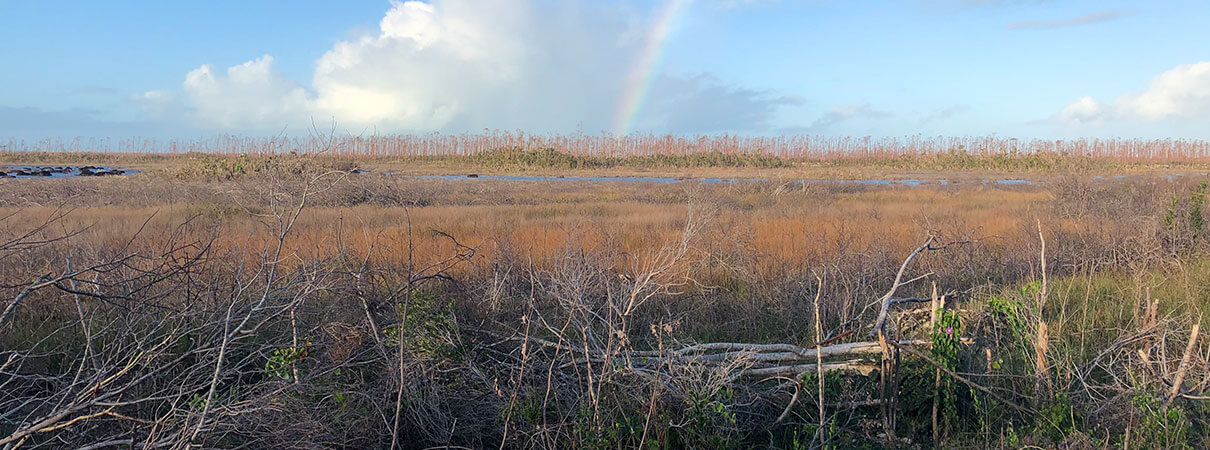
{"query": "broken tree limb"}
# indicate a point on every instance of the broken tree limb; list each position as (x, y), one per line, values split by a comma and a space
(880, 322)
(948, 294)
(1180, 372)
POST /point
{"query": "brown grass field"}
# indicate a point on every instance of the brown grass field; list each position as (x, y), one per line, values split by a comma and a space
(255, 300)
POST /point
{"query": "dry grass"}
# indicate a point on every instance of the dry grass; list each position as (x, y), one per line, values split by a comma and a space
(818, 223)
(548, 315)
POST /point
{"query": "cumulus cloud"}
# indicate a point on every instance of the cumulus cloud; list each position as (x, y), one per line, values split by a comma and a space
(1183, 92)
(250, 95)
(1178, 95)
(1084, 110)
(432, 64)
(1090, 18)
(459, 65)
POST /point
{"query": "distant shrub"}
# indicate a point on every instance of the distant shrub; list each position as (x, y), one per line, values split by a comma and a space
(549, 158)
(214, 167)
(961, 159)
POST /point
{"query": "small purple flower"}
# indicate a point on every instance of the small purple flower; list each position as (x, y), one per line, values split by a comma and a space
(949, 331)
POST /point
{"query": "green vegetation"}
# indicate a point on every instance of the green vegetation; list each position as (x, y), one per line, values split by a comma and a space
(947, 344)
(430, 330)
(211, 167)
(1160, 425)
(86, 158)
(549, 158)
(960, 160)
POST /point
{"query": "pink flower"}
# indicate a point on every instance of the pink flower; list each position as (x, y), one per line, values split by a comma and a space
(949, 331)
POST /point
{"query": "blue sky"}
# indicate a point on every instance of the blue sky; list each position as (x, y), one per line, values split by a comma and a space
(1026, 68)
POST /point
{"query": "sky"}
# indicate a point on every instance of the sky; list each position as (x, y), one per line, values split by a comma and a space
(1047, 69)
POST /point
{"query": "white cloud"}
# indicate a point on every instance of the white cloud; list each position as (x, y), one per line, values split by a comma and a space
(1180, 95)
(459, 65)
(1183, 92)
(251, 95)
(1084, 110)
(431, 64)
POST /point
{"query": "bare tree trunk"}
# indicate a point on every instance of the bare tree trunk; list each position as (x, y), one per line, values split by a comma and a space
(887, 386)
(819, 361)
(1180, 372)
(1042, 370)
(937, 380)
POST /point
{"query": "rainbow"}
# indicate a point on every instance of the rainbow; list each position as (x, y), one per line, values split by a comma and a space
(639, 82)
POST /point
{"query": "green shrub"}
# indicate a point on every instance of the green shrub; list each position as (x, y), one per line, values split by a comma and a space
(960, 159)
(430, 329)
(1197, 218)
(946, 345)
(708, 422)
(1160, 425)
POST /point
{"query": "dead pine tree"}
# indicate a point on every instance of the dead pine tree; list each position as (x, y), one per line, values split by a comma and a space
(935, 305)
(890, 354)
(1040, 344)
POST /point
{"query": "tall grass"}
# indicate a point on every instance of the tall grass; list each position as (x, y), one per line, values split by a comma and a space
(805, 147)
(351, 329)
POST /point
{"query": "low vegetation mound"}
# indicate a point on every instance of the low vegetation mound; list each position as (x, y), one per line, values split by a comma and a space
(549, 158)
(999, 162)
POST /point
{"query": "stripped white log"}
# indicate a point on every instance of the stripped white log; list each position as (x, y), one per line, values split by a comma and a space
(859, 366)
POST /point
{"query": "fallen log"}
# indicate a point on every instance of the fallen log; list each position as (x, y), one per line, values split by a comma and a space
(859, 366)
